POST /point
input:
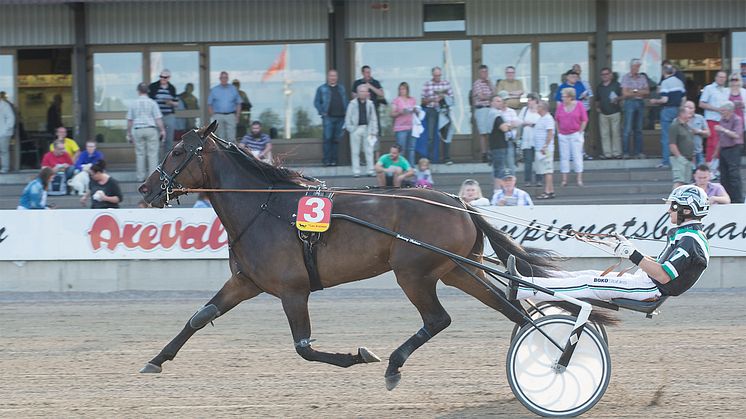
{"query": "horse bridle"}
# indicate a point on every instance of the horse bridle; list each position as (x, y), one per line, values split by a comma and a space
(168, 181)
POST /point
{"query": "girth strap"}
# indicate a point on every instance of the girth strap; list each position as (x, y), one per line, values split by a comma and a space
(309, 241)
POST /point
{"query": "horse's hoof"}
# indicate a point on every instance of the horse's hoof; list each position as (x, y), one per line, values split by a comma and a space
(392, 381)
(151, 369)
(367, 355)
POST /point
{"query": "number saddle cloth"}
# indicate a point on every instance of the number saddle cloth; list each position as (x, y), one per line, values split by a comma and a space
(312, 220)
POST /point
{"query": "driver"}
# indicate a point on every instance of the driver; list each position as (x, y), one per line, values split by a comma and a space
(677, 268)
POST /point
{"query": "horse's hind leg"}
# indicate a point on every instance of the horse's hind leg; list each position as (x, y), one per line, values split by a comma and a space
(235, 290)
(458, 278)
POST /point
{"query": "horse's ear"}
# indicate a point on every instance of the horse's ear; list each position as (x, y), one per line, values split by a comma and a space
(210, 129)
(191, 140)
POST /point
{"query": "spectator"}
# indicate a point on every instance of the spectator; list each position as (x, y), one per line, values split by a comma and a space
(743, 71)
(224, 106)
(635, 89)
(143, 116)
(730, 144)
(245, 114)
(498, 140)
(528, 117)
(571, 122)
(190, 102)
(164, 93)
(103, 190)
(375, 91)
(737, 94)
(90, 156)
(681, 147)
(698, 127)
(34, 195)
(71, 146)
(509, 195)
(511, 118)
(433, 92)
(404, 110)
(588, 93)
(544, 146)
(481, 94)
(203, 201)
(672, 91)
(362, 124)
(54, 114)
(573, 82)
(715, 192)
(422, 174)
(392, 169)
(513, 86)
(330, 104)
(471, 193)
(713, 97)
(609, 115)
(257, 143)
(7, 129)
(676, 72)
(58, 160)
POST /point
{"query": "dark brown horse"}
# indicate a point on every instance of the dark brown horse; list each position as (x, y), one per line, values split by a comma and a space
(266, 254)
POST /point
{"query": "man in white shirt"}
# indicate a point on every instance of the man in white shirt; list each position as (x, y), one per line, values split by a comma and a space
(362, 124)
(544, 148)
(143, 116)
(713, 97)
(7, 127)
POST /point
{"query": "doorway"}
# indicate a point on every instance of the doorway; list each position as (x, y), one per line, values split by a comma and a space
(699, 55)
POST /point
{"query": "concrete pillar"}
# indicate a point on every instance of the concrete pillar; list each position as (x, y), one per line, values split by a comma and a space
(81, 91)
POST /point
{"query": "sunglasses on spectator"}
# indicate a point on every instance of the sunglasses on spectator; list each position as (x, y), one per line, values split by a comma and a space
(165, 77)
(735, 79)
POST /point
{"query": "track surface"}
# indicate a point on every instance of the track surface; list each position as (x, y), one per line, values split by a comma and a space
(65, 355)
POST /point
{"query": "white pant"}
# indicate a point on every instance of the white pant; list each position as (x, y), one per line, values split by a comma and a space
(571, 147)
(146, 148)
(590, 284)
(226, 126)
(359, 137)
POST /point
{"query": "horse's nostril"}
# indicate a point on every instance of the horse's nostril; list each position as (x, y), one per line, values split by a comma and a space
(143, 189)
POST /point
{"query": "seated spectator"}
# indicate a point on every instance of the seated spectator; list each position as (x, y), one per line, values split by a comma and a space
(715, 192)
(424, 179)
(471, 193)
(509, 195)
(58, 160)
(393, 169)
(34, 195)
(90, 156)
(71, 146)
(257, 143)
(203, 201)
(103, 190)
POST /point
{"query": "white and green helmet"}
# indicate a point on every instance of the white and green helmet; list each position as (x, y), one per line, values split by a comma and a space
(691, 197)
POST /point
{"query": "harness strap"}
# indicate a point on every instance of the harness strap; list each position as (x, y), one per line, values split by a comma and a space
(309, 259)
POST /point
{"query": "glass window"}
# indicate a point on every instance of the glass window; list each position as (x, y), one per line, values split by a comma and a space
(445, 18)
(412, 61)
(499, 56)
(6, 75)
(115, 78)
(184, 68)
(739, 53)
(555, 58)
(111, 130)
(647, 50)
(280, 81)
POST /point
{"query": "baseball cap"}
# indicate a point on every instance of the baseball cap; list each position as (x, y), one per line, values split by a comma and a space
(507, 173)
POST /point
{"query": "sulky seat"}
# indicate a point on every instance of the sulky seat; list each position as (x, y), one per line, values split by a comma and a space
(647, 307)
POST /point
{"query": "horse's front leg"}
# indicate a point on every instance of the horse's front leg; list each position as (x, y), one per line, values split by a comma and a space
(296, 310)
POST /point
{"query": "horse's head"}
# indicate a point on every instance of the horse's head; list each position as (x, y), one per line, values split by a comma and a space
(181, 168)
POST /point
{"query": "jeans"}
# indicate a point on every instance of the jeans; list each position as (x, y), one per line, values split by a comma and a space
(169, 122)
(510, 159)
(730, 172)
(226, 126)
(406, 141)
(633, 109)
(499, 157)
(332, 133)
(431, 116)
(668, 114)
(528, 164)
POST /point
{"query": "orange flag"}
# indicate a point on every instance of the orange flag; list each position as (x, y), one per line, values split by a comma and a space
(277, 66)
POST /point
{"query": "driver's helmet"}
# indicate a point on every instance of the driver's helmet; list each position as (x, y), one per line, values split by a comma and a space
(692, 197)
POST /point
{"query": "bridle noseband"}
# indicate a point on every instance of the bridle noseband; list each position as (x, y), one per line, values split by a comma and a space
(193, 144)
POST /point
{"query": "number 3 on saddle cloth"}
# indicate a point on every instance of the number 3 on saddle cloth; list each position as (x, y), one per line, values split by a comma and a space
(313, 218)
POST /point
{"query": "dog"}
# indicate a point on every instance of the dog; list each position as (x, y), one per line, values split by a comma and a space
(79, 182)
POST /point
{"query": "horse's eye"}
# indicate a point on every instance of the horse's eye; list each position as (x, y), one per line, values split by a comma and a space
(177, 152)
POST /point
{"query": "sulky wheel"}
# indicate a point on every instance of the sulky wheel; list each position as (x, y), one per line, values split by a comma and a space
(548, 308)
(546, 388)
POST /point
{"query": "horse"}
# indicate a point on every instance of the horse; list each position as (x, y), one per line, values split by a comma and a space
(266, 254)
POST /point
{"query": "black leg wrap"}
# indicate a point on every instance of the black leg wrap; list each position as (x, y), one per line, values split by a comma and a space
(205, 315)
(400, 355)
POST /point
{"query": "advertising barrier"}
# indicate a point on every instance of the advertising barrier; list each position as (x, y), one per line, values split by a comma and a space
(188, 233)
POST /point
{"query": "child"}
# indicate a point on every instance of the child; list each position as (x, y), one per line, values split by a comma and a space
(424, 177)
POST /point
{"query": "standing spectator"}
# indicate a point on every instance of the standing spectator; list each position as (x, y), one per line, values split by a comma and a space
(588, 93)
(681, 147)
(34, 195)
(698, 127)
(635, 89)
(743, 71)
(471, 193)
(71, 146)
(609, 115)
(676, 72)
(715, 192)
(509, 195)
(257, 143)
(203, 201)
(89, 156)
(375, 91)
(224, 106)
(7, 129)
(433, 92)
(59, 160)
(713, 97)
(362, 124)
(672, 91)
(143, 116)
(54, 114)
(481, 94)
(103, 190)
(423, 175)
(513, 86)
(544, 146)
(164, 93)
(730, 144)
(572, 81)
(404, 110)
(245, 114)
(190, 102)
(737, 94)
(571, 122)
(330, 104)
(528, 117)
(510, 117)
(392, 169)
(498, 140)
